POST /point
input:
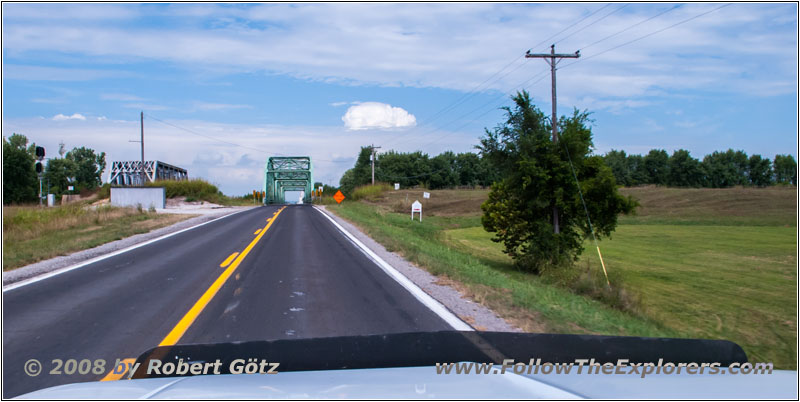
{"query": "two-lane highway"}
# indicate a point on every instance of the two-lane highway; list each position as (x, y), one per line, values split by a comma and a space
(244, 277)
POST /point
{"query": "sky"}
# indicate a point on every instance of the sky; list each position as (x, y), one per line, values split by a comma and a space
(225, 86)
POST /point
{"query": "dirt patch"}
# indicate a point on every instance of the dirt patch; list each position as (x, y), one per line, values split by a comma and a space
(441, 202)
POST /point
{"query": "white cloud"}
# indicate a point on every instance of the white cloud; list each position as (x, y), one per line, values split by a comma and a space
(369, 115)
(337, 104)
(453, 46)
(75, 116)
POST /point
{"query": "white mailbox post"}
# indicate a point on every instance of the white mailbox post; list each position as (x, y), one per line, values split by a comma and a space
(416, 207)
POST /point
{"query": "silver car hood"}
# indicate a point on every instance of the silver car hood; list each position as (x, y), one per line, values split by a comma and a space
(423, 382)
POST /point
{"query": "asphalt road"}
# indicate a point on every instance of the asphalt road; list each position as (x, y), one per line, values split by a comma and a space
(299, 278)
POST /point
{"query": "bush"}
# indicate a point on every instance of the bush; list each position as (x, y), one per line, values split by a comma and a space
(370, 192)
(591, 282)
(194, 189)
(104, 191)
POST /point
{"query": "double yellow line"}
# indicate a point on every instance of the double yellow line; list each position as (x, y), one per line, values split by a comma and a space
(180, 328)
(183, 325)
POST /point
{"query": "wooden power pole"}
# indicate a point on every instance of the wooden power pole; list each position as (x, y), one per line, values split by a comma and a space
(141, 120)
(552, 59)
(373, 148)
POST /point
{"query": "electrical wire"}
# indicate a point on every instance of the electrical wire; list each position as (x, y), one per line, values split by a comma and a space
(594, 22)
(570, 26)
(647, 35)
(223, 141)
(631, 27)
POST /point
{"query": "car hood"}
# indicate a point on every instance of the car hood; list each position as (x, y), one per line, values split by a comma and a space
(423, 382)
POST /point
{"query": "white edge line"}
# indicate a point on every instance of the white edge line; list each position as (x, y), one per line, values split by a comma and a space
(104, 256)
(415, 290)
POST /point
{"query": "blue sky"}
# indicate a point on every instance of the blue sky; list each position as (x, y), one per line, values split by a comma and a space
(324, 79)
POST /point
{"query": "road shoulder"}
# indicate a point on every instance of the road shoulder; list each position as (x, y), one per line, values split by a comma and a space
(475, 314)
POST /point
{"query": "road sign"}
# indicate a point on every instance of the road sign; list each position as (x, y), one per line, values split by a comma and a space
(426, 195)
(339, 197)
(416, 207)
(397, 186)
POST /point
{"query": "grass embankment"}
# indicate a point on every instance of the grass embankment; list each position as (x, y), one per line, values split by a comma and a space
(701, 263)
(32, 234)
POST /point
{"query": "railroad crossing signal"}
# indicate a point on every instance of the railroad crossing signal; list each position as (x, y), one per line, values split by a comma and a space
(339, 197)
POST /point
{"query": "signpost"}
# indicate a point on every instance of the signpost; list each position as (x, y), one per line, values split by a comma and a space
(397, 186)
(426, 195)
(416, 207)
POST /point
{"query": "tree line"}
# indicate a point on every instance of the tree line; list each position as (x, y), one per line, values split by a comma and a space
(718, 170)
(446, 170)
(81, 168)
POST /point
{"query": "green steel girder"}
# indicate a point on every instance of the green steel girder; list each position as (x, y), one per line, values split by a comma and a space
(287, 173)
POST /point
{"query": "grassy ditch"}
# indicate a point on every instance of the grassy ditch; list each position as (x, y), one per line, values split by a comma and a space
(700, 263)
(523, 299)
(32, 234)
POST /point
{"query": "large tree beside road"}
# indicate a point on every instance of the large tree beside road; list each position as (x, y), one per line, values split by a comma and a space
(537, 176)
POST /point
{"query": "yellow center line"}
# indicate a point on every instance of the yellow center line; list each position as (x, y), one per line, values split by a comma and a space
(228, 260)
(112, 376)
(183, 325)
(256, 232)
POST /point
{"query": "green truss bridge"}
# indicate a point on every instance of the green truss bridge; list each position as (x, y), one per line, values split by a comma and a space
(287, 173)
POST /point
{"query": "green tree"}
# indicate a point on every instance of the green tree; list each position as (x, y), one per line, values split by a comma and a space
(443, 171)
(726, 169)
(468, 169)
(20, 183)
(89, 167)
(536, 176)
(639, 175)
(57, 173)
(656, 163)
(617, 161)
(684, 171)
(759, 171)
(785, 169)
(408, 169)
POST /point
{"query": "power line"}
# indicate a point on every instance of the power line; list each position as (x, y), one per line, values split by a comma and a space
(493, 100)
(495, 107)
(475, 91)
(223, 141)
(594, 22)
(463, 99)
(649, 35)
(570, 26)
(631, 27)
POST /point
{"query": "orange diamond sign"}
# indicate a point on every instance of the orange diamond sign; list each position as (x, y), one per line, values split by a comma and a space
(339, 197)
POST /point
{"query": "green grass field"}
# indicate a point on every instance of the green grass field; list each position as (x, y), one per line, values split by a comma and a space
(701, 263)
(32, 233)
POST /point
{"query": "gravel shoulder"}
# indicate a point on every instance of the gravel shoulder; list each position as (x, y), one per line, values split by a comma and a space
(53, 264)
(476, 315)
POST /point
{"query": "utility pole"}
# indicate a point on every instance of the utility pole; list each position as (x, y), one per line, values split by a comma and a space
(552, 59)
(373, 148)
(141, 120)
